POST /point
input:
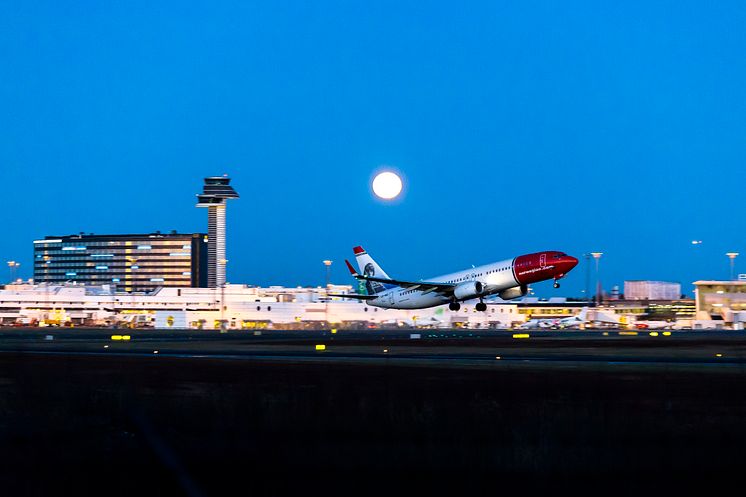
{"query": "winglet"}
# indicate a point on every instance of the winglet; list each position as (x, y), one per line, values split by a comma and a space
(352, 269)
(358, 250)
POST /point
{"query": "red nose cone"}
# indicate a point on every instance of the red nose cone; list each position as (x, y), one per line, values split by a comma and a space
(567, 263)
(541, 266)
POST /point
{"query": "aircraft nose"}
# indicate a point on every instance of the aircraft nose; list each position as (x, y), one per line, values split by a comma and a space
(570, 262)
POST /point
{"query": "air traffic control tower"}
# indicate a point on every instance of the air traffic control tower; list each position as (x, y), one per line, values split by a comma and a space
(215, 192)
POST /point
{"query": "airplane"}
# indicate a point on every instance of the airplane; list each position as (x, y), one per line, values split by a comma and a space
(654, 325)
(508, 278)
(568, 322)
(538, 323)
(430, 322)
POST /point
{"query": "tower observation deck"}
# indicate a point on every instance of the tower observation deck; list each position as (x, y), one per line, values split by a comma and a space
(215, 192)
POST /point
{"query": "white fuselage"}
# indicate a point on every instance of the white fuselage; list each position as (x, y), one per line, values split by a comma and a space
(495, 278)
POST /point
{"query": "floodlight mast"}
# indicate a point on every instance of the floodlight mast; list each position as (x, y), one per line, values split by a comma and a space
(732, 256)
(599, 290)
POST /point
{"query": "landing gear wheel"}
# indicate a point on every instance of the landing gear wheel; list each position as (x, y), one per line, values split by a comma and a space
(556, 285)
(454, 306)
(481, 307)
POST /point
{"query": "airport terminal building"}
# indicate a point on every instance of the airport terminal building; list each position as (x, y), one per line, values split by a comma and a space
(722, 303)
(128, 263)
(231, 307)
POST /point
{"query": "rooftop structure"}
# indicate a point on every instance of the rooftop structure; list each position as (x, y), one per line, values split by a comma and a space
(721, 300)
(651, 290)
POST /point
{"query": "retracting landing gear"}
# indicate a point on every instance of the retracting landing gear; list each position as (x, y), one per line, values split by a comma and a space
(454, 306)
(481, 307)
(556, 284)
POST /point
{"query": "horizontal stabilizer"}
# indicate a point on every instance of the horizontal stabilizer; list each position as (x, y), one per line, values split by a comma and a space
(410, 285)
(353, 296)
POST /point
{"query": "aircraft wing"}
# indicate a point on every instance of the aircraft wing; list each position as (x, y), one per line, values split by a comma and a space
(353, 296)
(424, 286)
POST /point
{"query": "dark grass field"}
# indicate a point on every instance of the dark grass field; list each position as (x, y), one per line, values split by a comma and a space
(76, 424)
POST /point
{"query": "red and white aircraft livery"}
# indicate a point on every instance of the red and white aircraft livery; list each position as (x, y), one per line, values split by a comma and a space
(509, 279)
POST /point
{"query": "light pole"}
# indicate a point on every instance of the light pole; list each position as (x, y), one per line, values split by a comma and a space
(328, 265)
(732, 256)
(597, 256)
(587, 277)
(13, 267)
(223, 326)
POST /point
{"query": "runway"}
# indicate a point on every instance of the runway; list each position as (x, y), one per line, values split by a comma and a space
(486, 348)
(452, 412)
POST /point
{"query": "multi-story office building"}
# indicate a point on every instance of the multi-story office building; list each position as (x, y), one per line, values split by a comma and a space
(131, 263)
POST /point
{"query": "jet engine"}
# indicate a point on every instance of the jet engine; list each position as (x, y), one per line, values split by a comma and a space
(514, 293)
(468, 290)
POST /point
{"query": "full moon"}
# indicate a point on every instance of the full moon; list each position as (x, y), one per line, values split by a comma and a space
(387, 185)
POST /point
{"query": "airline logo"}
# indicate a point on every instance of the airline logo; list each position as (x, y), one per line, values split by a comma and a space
(535, 270)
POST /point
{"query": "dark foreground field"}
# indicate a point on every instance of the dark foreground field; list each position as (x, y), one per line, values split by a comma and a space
(155, 425)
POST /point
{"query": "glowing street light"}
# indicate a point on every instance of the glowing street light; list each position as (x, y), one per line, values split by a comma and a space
(597, 257)
(732, 256)
(328, 265)
(587, 277)
(13, 267)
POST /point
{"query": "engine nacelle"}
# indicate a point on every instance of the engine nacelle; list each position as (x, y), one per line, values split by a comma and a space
(514, 293)
(468, 290)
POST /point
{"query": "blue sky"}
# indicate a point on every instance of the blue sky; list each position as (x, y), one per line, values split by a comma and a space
(518, 126)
